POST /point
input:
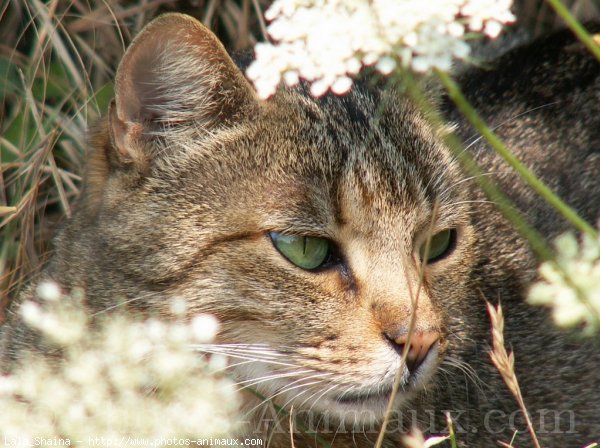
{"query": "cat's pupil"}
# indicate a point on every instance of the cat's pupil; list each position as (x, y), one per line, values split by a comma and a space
(440, 245)
(306, 252)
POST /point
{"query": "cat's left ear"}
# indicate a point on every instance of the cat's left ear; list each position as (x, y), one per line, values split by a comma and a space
(175, 73)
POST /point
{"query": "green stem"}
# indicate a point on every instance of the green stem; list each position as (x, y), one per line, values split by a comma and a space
(491, 190)
(451, 432)
(526, 174)
(576, 27)
(504, 204)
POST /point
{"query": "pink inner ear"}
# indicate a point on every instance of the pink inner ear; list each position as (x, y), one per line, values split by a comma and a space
(137, 86)
(174, 74)
(177, 71)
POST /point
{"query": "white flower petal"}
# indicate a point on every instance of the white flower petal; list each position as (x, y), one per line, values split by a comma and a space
(49, 290)
(204, 327)
(325, 42)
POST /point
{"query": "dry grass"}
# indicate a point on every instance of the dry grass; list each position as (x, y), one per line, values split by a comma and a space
(505, 363)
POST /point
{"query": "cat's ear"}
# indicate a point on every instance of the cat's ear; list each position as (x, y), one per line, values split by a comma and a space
(175, 73)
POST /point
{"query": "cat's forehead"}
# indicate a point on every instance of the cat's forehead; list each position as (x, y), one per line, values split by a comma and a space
(306, 161)
(372, 145)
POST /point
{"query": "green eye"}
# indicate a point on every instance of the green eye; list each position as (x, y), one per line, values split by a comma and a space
(306, 252)
(440, 245)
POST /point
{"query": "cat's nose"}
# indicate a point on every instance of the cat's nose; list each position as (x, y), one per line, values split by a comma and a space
(420, 344)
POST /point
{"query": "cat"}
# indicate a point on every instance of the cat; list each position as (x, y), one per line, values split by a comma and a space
(331, 236)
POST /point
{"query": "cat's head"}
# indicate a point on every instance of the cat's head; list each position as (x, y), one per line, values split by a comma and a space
(323, 233)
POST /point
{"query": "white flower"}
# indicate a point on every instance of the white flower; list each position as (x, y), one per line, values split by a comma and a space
(327, 41)
(63, 328)
(415, 439)
(7, 385)
(48, 290)
(570, 284)
(120, 377)
(204, 327)
(31, 313)
(487, 15)
(178, 306)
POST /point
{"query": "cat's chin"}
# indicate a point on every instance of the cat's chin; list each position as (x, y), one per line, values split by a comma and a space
(366, 404)
(363, 407)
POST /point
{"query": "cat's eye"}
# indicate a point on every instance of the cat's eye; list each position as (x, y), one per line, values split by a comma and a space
(440, 245)
(306, 252)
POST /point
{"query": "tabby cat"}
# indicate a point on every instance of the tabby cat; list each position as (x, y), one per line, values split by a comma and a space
(332, 236)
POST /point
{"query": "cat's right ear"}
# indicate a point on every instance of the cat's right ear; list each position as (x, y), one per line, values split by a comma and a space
(175, 73)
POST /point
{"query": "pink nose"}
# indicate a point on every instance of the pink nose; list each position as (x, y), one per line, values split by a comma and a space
(420, 345)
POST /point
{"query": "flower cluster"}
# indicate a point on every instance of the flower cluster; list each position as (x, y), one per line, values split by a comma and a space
(416, 440)
(116, 378)
(327, 41)
(570, 284)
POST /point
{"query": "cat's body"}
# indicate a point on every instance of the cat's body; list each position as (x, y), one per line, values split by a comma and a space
(190, 174)
(542, 100)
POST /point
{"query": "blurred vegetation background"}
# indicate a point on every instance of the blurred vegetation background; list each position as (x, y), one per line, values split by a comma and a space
(57, 63)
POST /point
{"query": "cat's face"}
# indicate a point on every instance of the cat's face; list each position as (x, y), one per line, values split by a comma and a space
(322, 233)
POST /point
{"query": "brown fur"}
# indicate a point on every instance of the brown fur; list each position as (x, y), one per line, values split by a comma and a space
(190, 171)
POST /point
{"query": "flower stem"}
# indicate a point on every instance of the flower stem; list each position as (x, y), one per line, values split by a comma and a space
(526, 174)
(576, 27)
(502, 202)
